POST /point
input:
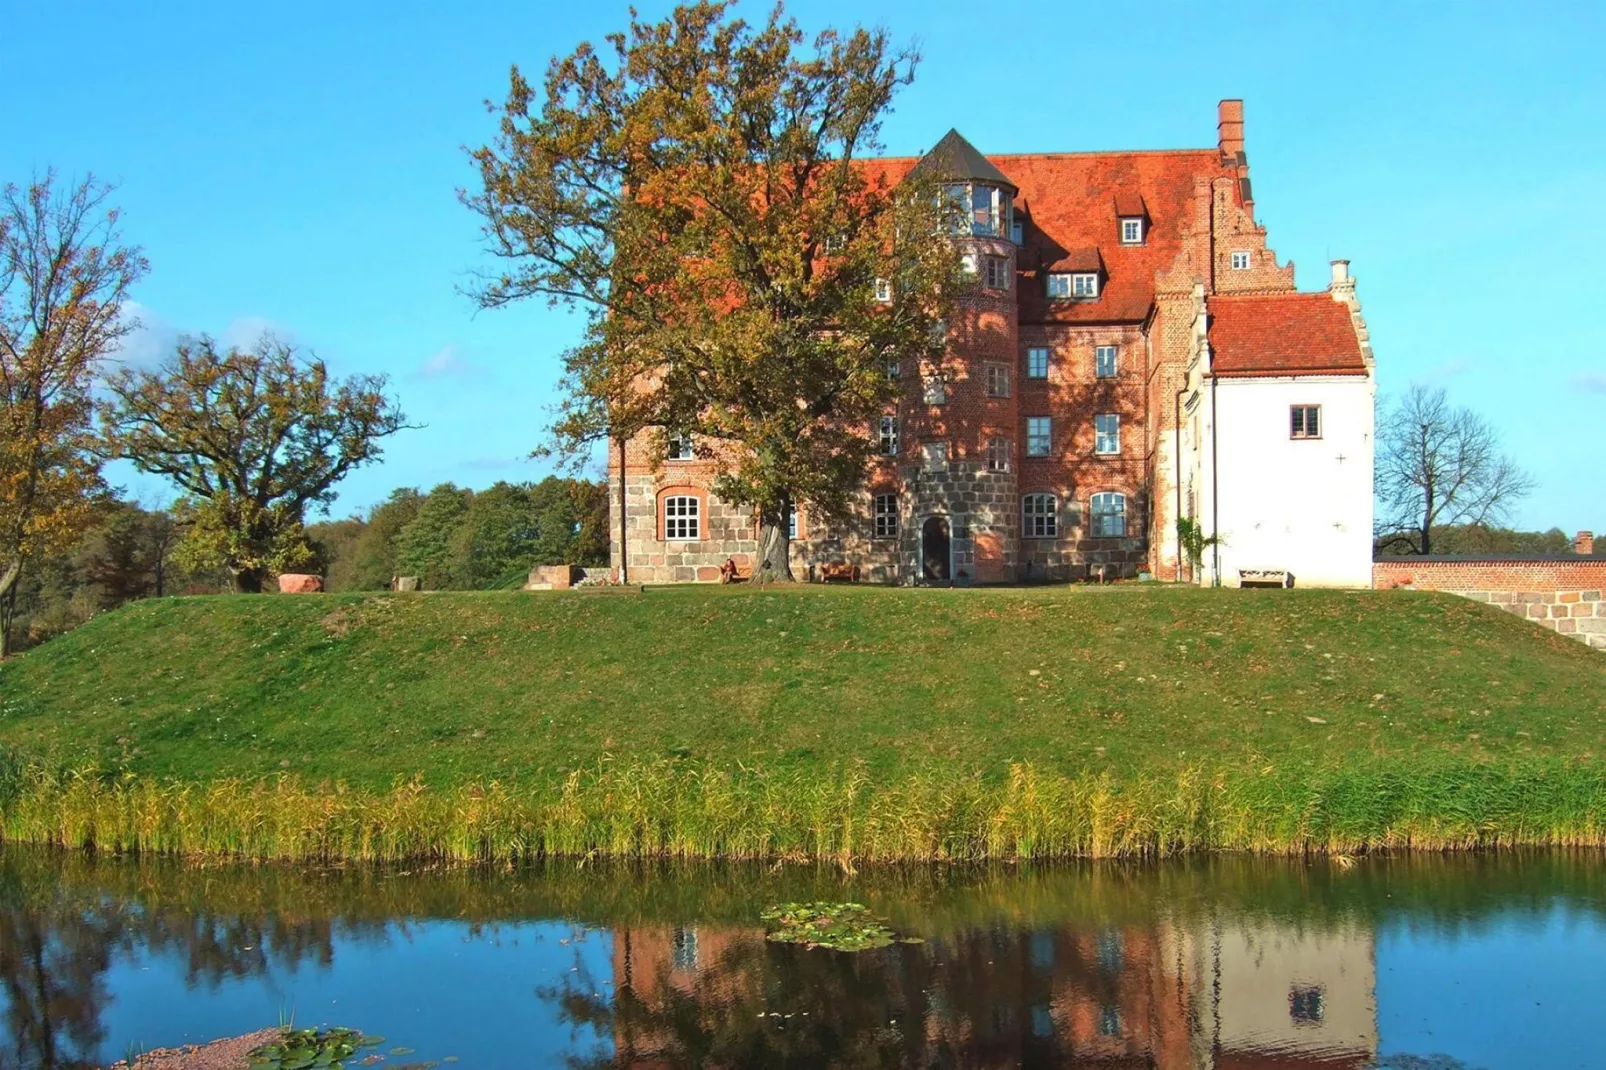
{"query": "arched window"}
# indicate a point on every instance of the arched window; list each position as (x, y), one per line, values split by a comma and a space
(1039, 516)
(886, 516)
(1109, 515)
(682, 518)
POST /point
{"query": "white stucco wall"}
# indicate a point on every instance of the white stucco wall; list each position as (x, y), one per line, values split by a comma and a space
(1303, 505)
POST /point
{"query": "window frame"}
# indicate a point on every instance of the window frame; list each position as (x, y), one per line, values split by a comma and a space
(888, 434)
(1061, 281)
(1133, 221)
(678, 446)
(998, 384)
(688, 522)
(1240, 260)
(884, 522)
(1039, 523)
(995, 273)
(1114, 433)
(883, 291)
(1302, 432)
(934, 456)
(1000, 454)
(1047, 358)
(1114, 353)
(1046, 437)
(934, 389)
(1084, 285)
(1097, 516)
(793, 524)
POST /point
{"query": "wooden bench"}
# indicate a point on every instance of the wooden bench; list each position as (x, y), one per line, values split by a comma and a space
(839, 572)
(741, 574)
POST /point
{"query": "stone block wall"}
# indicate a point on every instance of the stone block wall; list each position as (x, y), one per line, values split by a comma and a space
(1562, 594)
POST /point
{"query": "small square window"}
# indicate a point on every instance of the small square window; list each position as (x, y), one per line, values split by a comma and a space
(1305, 421)
(1059, 286)
(936, 390)
(934, 455)
(998, 454)
(883, 291)
(679, 447)
(888, 436)
(1084, 284)
(997, 273)
(1037, 362)
(1039, 436)
(886, 516)
(1107, 433)
(1104, 362)
(1240, 260)
(998, 380)
(835, 243)
(1306, 1004)
(1132, 231)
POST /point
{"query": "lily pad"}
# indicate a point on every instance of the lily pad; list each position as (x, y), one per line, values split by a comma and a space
(837, 926)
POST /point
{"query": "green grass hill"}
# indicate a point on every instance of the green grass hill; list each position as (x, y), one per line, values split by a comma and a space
(936, 687)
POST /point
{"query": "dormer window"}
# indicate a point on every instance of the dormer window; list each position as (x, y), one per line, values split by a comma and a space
(980, 210)
(1073, 284)
(1132, 230)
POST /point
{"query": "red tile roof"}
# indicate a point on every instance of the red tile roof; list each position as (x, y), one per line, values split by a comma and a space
(1069, 203)
(1129, 204)
(1283, 334)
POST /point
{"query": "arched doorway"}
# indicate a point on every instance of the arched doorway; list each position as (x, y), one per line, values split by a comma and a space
(935, 545)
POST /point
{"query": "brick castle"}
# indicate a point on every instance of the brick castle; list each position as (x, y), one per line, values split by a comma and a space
(1050, 445)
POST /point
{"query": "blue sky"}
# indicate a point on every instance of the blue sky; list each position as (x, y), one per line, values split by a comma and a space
(294, 166)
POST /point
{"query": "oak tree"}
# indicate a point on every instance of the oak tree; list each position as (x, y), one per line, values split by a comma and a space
(1439, 465)
(699, 186)
(252, 440)
(65, 274)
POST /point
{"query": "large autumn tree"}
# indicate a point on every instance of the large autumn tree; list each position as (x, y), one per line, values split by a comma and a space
(252, 439)
(698, 187)
(64, 279)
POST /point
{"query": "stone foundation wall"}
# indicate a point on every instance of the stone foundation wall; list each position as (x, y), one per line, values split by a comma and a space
(1580, 614)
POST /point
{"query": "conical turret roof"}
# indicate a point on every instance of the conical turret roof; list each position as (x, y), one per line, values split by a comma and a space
(955, 158)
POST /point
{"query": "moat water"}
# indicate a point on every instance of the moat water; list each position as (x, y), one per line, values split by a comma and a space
(1402, 961)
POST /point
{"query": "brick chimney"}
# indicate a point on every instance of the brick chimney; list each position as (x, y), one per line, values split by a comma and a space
(1584, 544)
(1230, 127)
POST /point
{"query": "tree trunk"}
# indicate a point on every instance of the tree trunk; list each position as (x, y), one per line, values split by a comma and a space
(8, 604)
(774, 553)
(1427, 521)
(249, 580)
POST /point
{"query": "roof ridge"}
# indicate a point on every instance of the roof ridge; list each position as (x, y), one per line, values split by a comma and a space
(1058, 155)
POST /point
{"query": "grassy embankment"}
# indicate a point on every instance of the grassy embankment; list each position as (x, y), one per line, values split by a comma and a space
(850, 723)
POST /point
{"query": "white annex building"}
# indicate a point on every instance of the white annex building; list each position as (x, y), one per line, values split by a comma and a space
(1277, 437)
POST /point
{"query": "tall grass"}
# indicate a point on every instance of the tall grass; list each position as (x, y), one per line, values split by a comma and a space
(671, 810)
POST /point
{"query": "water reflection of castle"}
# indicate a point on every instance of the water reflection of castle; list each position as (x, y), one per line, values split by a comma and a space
(1224, 993)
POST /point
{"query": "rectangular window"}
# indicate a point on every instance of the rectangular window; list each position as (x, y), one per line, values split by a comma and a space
(998, 380)
(1104, 362)
(791, 521)
(1037, 362)
(883, 291)
(935, 390)
(1109, 515)
(998, 454)
(886, 516)
(1240, 260)
(1059, 286)
(1084, 284)
(679, 447)
(835, 243)
(894, 371)
(984, 220)
(1017, 232)
(1305, 421)
(1107, 433)
(997, 273)
(934, 455)
(1039, 436)
(1039, 516)
(683, 948)
(681, 516)
(1132, 232)
(888, 438)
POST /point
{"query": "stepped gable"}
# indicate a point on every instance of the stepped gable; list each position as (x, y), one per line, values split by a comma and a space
(1282, 334)
(1071, 203)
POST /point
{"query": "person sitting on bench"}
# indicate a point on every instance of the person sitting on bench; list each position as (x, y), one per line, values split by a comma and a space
(727, 571)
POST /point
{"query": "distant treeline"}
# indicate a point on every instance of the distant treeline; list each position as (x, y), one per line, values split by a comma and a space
(1459, 539)
(451, 538)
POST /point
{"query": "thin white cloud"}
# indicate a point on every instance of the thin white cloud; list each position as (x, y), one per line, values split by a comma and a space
(149, 342)
(1594, 382)
(1453, 368)
(244, 332)
(449, 363)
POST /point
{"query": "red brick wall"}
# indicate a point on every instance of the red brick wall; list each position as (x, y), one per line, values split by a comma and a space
(1491, 575)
